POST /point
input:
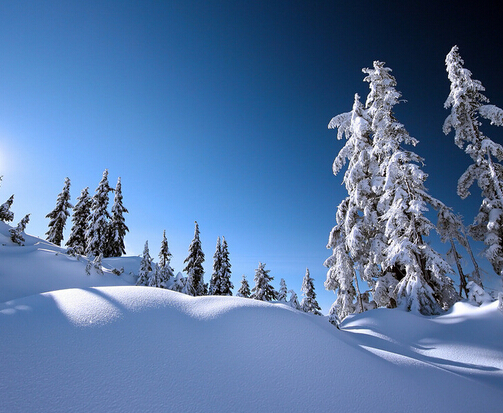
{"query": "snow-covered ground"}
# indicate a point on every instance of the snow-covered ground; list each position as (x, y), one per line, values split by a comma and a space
(72, 342)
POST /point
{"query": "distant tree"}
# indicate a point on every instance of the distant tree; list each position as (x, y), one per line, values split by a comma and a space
(309, 303)
(16, 234)
(244, 290)
(467, 104)
(59, 215)
(117, 227)
(77, 241)
(294, 301)
(263, 290)
(179, 283)
(97, 228)
(224, 286)
(165, 270)
(194, 268)
(283, 291)
(145, 267)
(217, 269)
(5, 214)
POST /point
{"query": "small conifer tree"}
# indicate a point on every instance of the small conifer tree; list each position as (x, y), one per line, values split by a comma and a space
(309, 303)
(283, 291)
(6, 215)
(59, 215)
(145, 267)
(16, 234)
(195, 272)
(263, 290)
(117, 228)
(97, 227)
(77, 240)
(244, 290)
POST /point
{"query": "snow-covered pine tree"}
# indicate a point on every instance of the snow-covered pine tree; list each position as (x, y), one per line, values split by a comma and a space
(225, 285)
(420, 270)
(166, 272)
(97, 227)
(117, 227)
(16, 234)
(283, 291)
(217, 269)
(6, 215)
(178, 283)
(340, 275)
(145, 267)
(294, 300)
(59, 215)
(263, 290)
(244, 289)
(467, 104)
(309, 303)
(195, 272)
(357, 219)
(77, 240)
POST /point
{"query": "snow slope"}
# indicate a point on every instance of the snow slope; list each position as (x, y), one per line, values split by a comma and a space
(141, 349)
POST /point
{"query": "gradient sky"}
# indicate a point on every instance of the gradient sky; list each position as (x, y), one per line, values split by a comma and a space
(218, 112)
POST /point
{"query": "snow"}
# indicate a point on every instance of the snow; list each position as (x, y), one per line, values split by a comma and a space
(77, 343)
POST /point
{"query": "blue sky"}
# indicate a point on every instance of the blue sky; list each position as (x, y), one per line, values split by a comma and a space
(218, 112)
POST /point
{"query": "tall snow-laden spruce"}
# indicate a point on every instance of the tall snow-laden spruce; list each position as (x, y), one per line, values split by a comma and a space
(420, 270)
(144, 274)
(59, 215)
(263, 290)
(16, 234)
(117, 227)
(77, 240)
(97, 227)
(194, 269)
(381, 223)
(467, 104)
(309, 303)
(244, 289)
(355, 241)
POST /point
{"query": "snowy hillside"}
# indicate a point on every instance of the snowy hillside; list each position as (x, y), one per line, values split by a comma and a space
(112, 347)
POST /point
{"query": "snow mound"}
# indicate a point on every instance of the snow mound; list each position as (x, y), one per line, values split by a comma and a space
(40, 266)
(131, 349)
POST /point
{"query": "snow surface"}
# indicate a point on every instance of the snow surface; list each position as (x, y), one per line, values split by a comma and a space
(69, 347)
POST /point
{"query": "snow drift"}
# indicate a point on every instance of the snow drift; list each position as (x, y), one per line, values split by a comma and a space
(143, 349)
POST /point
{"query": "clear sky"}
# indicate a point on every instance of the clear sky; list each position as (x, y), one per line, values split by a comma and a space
(218, 112)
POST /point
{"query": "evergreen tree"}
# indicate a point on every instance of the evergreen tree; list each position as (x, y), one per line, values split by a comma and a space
(420, 271)
(179, 283)
(244, 290)
(283, 291)
(117, 228)
(145, 267)
(59, 215)
(294, 301)
(225, 285)
(77, 241)
(194, 268)
(165, 270)
(16, 234)
(217, 269)
(97, 227)
(263, 290)
(467, 103)
(309, 303)
(6, 215)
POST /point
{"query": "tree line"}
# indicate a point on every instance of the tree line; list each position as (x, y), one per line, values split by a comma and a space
(381, 227)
